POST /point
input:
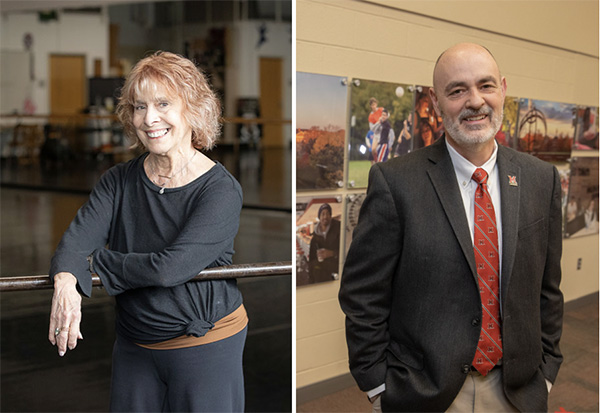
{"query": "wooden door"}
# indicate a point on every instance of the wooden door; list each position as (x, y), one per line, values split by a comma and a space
(67, 84)
(271, 100)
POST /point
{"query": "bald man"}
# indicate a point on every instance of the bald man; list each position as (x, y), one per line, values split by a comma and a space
(451, 284)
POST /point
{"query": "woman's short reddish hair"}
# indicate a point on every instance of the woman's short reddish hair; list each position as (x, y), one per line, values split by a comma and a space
(181, 79)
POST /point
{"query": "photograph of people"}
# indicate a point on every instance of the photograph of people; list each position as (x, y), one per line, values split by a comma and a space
(318, 234)
(372, 138)
(591, 215)
(581, 216)
(164, 216)
(375, 112)
(425, 132)
(403, 143)
(323, 259)
(422, 288)
(383, 137)
(428, 124)
(586, 130)
(379, 112)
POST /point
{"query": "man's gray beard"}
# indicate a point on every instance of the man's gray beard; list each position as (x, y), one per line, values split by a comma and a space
(473, 139)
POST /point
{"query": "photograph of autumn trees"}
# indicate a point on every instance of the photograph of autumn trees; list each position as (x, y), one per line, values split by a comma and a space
(321, 103)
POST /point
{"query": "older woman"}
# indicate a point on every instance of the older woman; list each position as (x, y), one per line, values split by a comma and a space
(149, 227)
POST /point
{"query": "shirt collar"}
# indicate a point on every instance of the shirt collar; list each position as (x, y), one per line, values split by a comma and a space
(464, 169)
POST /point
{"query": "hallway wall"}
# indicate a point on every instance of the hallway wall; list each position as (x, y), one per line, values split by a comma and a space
(546, 51)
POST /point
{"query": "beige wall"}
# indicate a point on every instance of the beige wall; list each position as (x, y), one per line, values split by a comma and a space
(547, 50)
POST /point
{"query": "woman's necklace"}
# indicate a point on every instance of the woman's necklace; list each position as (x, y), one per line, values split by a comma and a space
(162, 186)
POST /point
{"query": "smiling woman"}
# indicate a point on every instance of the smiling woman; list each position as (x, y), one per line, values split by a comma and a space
(165, 216)
(167, 76)
(168, 107)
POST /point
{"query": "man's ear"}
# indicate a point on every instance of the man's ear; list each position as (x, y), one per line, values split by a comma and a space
(434, 100)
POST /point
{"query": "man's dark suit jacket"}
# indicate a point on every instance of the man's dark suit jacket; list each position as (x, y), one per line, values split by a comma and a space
(409, 287)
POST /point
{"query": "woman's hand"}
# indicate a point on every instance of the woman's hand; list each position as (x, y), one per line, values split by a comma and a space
(65, 315)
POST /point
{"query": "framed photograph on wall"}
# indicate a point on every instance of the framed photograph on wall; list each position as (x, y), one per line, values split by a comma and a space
(321, 106)
(428, 127)
(353, 204)
(380, 126)
(507, 135)
(586, 128)
(564, 172)
(318, 231)
(546, 129)
(581, 216)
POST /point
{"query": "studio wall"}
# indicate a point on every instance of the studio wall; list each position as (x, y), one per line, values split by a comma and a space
(88, 34)
(70, 34)
(399, 42)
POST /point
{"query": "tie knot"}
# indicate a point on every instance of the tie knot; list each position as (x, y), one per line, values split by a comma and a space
(480, 176)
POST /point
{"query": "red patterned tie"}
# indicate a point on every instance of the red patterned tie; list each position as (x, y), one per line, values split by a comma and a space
(489, 348)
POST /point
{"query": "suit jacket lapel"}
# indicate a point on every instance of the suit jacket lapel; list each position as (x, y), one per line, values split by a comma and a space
(509, 174)
(443, 178)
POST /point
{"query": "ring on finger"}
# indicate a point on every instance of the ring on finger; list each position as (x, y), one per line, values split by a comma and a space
(57, 331)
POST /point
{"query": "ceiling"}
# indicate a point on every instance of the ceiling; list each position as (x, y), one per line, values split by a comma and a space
(8, 6)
